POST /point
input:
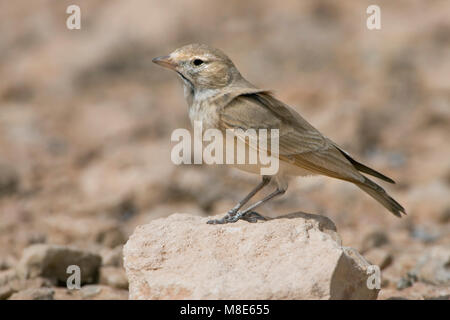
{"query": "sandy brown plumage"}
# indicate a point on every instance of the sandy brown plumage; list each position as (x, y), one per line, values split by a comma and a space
(302, 144)
(218, 95)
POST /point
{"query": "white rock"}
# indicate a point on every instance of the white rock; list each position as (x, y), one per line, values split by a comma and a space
(294, 257)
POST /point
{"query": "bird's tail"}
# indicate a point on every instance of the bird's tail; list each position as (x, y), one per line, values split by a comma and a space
(378, 193)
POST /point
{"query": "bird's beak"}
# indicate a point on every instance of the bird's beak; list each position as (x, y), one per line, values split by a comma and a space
(165, 61)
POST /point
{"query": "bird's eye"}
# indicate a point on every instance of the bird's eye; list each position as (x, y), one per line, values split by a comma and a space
(197, 62)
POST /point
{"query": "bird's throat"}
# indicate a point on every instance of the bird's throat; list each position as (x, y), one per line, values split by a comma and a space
(188, 89)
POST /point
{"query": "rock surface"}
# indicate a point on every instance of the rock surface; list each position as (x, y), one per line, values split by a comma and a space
(298, 256)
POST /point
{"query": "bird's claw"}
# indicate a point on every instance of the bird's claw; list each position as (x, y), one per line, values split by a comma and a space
(251, 217)
(218, 221)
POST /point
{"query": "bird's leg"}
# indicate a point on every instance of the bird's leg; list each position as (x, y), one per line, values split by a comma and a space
(265, 181)
(249, 210)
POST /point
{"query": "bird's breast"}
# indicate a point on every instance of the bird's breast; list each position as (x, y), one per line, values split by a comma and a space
(206, 113)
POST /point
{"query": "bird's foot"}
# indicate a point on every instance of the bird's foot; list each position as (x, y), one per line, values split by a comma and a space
(222, 220)
(251, 217)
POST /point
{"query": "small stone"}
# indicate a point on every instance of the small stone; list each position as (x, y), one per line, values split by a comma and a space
(34, 294)
(407, 281)
(9, 179)
(101, 292)
(89, 291)
(51, 262)
(434, 266)
(423, 234)
(66, 294)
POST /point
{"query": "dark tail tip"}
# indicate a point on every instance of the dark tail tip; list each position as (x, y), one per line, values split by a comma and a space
(379, 194)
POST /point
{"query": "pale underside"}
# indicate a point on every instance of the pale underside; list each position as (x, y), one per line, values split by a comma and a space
(303, 150)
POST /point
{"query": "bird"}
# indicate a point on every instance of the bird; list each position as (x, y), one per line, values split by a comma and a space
(221, 98)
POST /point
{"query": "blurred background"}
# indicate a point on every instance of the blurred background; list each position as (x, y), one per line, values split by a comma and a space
(86, 119)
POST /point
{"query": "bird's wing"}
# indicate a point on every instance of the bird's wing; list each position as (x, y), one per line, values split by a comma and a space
(299, 142)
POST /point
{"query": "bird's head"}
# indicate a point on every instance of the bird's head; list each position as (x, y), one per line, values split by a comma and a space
(200, 66)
